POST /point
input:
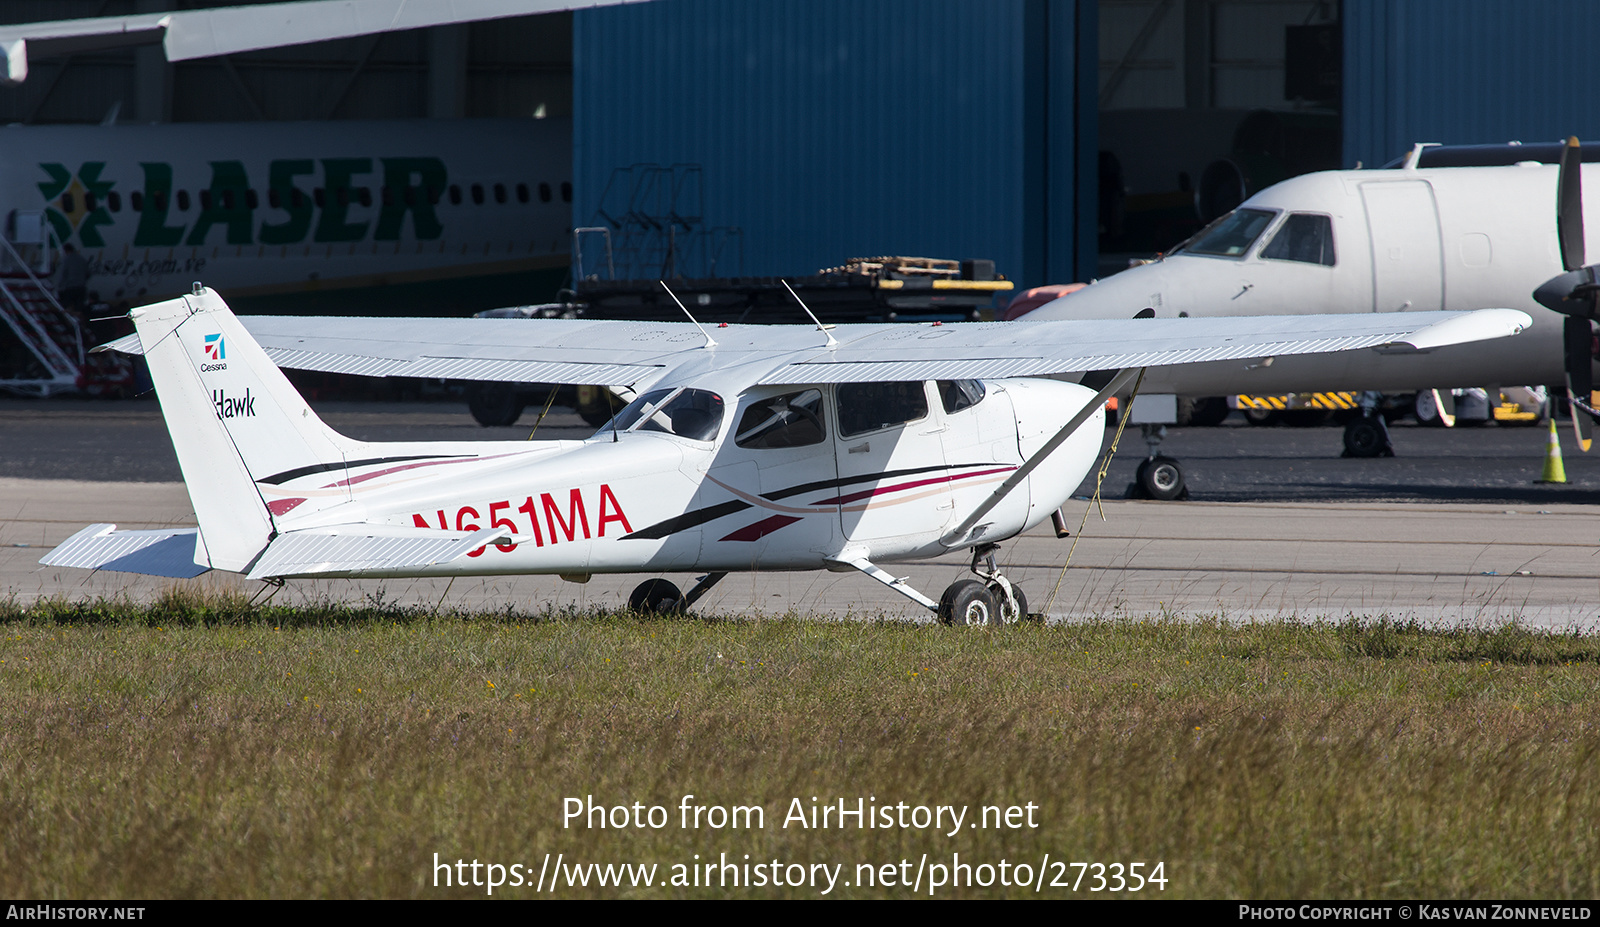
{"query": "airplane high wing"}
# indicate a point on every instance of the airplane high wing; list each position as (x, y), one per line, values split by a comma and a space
(629, 353)
(747, 448)
(188, 34)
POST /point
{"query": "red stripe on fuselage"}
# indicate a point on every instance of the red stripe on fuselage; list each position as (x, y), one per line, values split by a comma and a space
(429, 463)
(761, 528)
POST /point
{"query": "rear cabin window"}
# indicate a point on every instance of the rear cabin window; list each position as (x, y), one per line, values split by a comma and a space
(1304, 237)
(865, 407)
(790, 420)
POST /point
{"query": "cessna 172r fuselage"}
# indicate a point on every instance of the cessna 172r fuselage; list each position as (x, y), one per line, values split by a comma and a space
(747, 447)
(292, 208)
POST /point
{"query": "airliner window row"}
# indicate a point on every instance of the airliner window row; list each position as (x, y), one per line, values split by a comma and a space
(297, 199)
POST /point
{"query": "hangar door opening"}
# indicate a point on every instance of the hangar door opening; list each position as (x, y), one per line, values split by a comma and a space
(1202, 104)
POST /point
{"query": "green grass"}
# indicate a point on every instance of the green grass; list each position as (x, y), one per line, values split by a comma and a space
(199, 747)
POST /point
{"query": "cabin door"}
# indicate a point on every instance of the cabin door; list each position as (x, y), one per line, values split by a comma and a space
(891, 464)
(1407, 257)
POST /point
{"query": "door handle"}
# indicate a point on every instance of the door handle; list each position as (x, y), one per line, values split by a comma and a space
(861, 448)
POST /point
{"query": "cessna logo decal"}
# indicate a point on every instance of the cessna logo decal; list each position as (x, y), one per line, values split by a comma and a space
(215, 349)
(232, 407)
(302, 201)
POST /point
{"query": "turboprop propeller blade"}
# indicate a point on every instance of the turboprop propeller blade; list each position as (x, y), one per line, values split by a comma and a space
(1573, 293)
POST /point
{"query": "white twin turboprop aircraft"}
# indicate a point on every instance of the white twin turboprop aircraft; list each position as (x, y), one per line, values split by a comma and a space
(747, 447)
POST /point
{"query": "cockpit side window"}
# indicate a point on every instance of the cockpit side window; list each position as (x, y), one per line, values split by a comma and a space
(1304, 237)
(865, 407)
(790, 420)
(960, 394)
(695, 414)
(1233, 234)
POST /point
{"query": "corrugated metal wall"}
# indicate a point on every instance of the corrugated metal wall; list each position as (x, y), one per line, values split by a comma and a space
(1467, 72)
(829, 129)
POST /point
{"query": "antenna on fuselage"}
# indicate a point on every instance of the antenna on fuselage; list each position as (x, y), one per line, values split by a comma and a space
(832, 344)
(710, 342)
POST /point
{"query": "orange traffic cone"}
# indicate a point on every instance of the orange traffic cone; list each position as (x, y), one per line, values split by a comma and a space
(1554, 470)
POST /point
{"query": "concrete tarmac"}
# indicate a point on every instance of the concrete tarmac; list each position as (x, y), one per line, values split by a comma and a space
(1515, 551)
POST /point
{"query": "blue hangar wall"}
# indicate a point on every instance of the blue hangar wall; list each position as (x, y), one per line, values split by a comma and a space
(830, 129)
(1467, 72)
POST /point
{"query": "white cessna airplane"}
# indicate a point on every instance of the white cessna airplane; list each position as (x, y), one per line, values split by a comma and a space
(1379, 241)
(747, 448)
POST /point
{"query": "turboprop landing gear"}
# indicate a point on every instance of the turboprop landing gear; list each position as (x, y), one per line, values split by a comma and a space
(658, 596)
(1368, 436)
(1159, 477)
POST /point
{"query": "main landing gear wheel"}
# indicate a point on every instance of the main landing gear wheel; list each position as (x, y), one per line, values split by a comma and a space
(1365, 437)
(1159, 478)
(494, 405)
(654, 597)
(969, 603)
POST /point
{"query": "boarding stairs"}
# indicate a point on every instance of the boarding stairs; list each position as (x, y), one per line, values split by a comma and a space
(41, 344)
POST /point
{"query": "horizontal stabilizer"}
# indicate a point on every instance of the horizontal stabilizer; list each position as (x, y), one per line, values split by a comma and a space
(366, 549)
(165, 552)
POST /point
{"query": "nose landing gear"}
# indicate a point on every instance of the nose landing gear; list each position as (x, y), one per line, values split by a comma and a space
(1368, 436)
(1159, 477)
(993, 601)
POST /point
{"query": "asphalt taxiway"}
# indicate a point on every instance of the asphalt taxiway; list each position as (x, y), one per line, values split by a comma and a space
(1452, 530)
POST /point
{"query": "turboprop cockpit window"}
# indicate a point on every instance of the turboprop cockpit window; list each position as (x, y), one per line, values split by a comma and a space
(1233, 234)
(790, 420)
(865, 407)
(1304, 237)
(688, 413)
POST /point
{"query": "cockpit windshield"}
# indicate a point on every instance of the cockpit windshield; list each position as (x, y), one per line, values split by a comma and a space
(695, 414)
(1232, 235)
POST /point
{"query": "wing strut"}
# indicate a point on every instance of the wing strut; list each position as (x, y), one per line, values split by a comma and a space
(957, 536)
(898, 584)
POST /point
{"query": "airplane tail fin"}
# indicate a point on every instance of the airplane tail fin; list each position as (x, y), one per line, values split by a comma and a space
(235, 422)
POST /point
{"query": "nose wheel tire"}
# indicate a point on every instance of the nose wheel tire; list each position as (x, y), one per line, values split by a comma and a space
(1365, 437)
(654, 597)
(1161, 479)
(969, 603)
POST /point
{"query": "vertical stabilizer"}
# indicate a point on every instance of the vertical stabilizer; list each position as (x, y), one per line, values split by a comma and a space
(234, 420)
